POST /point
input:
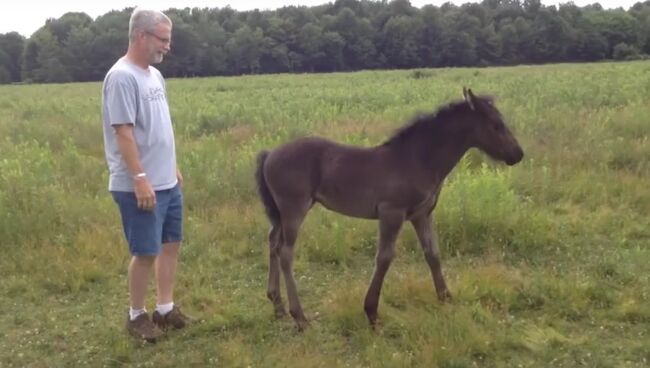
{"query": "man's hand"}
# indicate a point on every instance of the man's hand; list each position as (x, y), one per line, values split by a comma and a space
(179, 176)
(144, 194)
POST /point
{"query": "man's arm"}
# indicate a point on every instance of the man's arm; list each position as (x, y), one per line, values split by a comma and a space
(126, 142)
(128, 148)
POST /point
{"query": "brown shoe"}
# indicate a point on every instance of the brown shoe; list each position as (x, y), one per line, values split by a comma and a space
(175, 318)
(142, 328)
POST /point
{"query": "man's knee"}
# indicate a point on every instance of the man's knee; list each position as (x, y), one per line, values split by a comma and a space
(171, 249)
(144, 260)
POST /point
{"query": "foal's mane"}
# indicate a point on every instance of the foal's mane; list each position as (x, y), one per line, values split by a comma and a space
(422, 123)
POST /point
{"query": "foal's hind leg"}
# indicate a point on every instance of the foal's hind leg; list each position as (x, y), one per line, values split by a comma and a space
(390, 223)
(292, 218)
(424, 230)
(273, 288)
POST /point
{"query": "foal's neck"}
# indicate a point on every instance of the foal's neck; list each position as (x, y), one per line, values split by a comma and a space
(441, 149)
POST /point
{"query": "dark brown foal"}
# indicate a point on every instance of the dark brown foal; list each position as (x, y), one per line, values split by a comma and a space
(394, 182)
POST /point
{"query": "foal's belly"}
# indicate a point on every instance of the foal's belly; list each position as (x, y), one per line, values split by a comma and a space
(361, 206)
(365, 205)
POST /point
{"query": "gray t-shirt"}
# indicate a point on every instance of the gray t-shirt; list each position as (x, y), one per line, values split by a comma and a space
(132, 95)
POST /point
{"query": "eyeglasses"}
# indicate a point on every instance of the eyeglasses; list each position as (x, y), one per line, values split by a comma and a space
(161, 39)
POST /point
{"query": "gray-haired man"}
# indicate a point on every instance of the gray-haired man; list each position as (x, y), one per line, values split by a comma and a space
(144, 180)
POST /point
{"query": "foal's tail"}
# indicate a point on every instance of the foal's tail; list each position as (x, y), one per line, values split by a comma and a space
(270, 206)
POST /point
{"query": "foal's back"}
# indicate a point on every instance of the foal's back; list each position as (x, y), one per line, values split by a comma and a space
(347, 179)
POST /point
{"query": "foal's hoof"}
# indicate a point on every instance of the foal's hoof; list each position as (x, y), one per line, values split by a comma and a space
(300, 319)
(373, 325)
(444, 296)
(302, 324)
(278, 310)
(372, 319)
(280, 313)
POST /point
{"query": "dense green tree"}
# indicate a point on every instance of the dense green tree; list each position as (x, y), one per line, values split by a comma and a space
(11, 57)
(340, 35)
(401, 41)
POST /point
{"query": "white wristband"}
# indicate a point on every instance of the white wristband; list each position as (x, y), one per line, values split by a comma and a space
(139, 176)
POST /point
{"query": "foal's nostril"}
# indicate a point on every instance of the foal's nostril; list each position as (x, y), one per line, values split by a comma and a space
(516, 156)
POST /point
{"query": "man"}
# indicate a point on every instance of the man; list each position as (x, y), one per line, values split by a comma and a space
(144, 180)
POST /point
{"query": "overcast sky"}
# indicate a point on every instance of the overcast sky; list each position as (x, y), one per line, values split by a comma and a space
(26, 16)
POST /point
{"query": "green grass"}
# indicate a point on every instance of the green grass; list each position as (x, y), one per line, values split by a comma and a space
(547, 260)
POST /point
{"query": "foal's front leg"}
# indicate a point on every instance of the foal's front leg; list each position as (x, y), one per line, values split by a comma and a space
(390, 223)
(424, 230)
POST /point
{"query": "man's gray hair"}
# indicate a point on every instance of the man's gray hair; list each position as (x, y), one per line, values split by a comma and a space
(145, 20)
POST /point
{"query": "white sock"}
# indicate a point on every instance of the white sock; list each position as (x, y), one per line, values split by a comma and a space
(164, 308)
(134, 313)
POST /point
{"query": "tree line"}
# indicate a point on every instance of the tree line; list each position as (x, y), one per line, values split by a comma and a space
(343, 35)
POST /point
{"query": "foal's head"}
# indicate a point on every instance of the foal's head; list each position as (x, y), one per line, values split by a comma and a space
(489, 132)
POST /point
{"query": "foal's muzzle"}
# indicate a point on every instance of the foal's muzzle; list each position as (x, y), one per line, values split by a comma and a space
(515, 156)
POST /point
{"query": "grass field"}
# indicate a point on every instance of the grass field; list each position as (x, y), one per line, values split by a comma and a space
(547, 260)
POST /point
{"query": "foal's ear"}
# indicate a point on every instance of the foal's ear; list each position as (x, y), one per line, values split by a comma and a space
(469, 97)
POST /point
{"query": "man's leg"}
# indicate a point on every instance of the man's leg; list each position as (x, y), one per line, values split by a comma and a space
(142, 231)
(167, 313)
(139, 276)
(172, 234)
(138, 322)
(166, 271)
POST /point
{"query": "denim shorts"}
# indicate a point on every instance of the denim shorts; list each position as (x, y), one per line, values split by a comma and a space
(146, 231)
